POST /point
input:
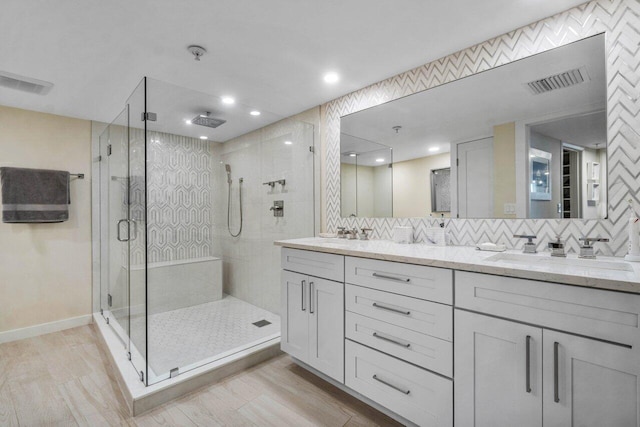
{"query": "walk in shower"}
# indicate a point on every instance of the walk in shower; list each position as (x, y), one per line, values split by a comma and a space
(193, 192)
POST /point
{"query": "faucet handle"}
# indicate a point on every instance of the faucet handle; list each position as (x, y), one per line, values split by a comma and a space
(529, 247)
(364, 233)
(530, 237)
(586, 249)
(588, 240)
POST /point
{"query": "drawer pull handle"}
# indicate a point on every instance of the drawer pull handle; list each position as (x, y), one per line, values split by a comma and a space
(397, 279)
(395, 310)
(556, 387)
(375, 377)
(528, 364)
(381, 337)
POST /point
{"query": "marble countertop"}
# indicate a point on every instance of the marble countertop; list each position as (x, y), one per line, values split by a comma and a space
(604, 273)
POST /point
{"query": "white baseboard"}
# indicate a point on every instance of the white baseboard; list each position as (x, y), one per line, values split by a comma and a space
(44, 328)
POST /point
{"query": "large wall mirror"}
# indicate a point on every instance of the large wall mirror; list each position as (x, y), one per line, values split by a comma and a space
(523, 140)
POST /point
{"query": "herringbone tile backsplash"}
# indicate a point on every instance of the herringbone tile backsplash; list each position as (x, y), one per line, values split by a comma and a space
(620, 21)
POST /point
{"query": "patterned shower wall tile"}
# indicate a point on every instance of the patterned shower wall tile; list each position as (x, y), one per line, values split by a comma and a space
(620, 20)
(179, 198)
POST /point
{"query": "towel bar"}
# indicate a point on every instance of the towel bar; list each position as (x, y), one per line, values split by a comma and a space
(77, 175)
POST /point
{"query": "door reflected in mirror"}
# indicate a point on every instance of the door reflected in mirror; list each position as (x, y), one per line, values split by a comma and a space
(523, 140)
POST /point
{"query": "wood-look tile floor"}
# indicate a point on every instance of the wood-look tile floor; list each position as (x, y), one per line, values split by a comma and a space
(62, 379)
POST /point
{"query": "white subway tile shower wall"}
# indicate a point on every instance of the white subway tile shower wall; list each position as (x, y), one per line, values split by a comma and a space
(620, 20)
(251, 261)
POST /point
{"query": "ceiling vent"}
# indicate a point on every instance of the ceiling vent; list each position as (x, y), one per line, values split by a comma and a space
(559, 81)
(25, 84)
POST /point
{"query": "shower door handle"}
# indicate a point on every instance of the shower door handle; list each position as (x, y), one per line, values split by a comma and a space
(118, 227)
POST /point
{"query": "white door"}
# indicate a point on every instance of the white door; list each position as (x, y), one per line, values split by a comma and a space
(326, 327)
(295, 318)
(475, 179)
(498, 372)
(589, 383)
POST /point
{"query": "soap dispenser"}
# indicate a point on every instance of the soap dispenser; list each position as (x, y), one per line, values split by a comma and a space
(633, 253)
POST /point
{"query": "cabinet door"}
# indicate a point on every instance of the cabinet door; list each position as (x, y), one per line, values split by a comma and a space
(497, 370)
(326, 328)
(589, 383)
(295, 318)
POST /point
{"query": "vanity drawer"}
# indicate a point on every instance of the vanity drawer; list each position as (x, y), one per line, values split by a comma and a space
(415, 314)
(607, 315)
(319, 264)
(413, 393)
(430, 283)
(420, 349)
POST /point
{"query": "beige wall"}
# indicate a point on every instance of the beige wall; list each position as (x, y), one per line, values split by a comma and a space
(412, 185)
(45, 269)
(504, 169)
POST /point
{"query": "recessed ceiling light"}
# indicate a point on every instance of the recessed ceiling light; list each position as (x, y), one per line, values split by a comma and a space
(204, 137)
(187, 121)
(331, 77)
(434, 149)
(379, 160)
(352, 155)
(288, 143)
(255, 113)
(228, 100)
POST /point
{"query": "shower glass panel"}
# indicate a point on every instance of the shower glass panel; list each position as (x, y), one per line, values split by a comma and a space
(114, 290)
(138, 229)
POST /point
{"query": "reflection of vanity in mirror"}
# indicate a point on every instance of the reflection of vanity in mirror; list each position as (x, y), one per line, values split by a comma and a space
(524, 140)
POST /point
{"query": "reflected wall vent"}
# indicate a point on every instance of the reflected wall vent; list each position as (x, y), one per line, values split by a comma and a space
(559, 81)
(24, 84)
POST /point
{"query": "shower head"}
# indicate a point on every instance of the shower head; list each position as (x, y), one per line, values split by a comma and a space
(207, 120)
(228, 169)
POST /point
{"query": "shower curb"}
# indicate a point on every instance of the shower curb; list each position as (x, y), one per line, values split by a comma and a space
(141, 399)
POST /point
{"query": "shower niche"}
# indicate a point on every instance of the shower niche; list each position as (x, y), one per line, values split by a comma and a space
(189, 275)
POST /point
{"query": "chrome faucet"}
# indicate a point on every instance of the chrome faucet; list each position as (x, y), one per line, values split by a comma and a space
(557, 248)
(342, 233)
(586, 249)
(352, 234)
(529, 247)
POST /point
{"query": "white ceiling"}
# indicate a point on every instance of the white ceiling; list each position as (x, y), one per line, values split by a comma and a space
(467, 109)
(269, 55)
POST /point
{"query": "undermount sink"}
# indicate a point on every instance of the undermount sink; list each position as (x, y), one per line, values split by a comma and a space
(568, 262)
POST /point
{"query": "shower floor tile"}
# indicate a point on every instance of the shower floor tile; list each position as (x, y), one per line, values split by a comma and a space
(188, 336)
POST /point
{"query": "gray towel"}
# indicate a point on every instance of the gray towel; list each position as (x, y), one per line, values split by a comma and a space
(34, 195)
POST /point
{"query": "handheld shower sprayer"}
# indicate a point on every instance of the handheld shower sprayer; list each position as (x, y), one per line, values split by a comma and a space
(228, 169)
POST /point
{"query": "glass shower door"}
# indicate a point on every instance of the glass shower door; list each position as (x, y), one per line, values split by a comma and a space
(114, 299)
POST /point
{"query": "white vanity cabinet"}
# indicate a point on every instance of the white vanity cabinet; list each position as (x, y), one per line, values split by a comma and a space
(436, 346)
(511, 373)
(313, 311)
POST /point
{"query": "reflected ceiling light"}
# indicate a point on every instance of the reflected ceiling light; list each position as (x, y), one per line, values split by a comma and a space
(204, 137)
(379, 160)
(331, 77)
(255, 113)
(434, 149)
(352, 155)
(187, 121)
(228, 100)
(288, 143)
